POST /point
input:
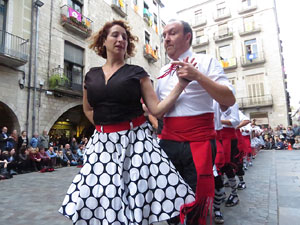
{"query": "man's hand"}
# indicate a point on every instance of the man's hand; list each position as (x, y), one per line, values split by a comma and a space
(187, 70)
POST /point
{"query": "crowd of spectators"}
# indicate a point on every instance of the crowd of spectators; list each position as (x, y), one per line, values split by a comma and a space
(19, 155)
(278, 138)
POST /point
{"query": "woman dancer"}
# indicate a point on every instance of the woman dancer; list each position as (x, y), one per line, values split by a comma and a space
(126, 177)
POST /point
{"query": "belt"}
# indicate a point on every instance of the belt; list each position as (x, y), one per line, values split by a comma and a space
(126, 125)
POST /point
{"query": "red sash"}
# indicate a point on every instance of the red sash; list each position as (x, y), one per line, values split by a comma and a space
(247, 142)
(198, 130)
(227, 135)
(220, 157)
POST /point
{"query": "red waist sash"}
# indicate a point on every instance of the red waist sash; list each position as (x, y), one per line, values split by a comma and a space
(126, 125)
(189, 128)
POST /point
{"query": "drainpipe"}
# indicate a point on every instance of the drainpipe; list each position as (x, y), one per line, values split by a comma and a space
(36, 6)
(29, 68)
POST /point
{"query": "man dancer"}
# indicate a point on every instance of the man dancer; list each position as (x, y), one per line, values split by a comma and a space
(230, 120)
(188, 136)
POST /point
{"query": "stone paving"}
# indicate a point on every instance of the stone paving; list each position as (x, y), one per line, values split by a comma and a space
(272, 196)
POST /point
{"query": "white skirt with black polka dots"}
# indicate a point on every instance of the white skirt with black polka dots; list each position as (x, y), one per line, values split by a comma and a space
(126, 179)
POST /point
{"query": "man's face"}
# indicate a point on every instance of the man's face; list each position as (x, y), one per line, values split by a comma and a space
(175, 41)
(4, 129)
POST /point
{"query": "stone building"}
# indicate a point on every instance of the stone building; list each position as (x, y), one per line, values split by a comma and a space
(244, 36)
(44, 56)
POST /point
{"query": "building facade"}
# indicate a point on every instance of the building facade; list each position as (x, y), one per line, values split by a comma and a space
(244, 36)
(44, 56)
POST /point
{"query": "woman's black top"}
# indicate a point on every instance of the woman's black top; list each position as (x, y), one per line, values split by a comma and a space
(119, 99)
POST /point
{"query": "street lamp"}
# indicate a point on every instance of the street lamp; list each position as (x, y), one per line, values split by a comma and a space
(38, 3)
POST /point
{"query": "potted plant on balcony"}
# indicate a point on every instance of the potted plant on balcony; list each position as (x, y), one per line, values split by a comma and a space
(58, 80)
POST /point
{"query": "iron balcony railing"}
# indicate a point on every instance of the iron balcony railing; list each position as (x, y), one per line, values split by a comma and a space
(75, 21)
(247, 6)
(249, 28)
(13, 48)
(252, 59)
(255, 101)
(223, 34)
(65, 83)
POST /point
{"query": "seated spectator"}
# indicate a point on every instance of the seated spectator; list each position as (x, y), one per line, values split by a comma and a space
(70, 159)
(24, 161)
(296, 145)
(60, 158)
(4, 174)
(74, 145)
(67, 148)
(279, 144)
(285, 144)
(80, 152)
(12, 165)
(52, 155)
(36, 161)
(46, 161)
(270, 144)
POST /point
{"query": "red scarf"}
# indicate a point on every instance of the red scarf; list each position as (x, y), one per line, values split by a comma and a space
(198, 130)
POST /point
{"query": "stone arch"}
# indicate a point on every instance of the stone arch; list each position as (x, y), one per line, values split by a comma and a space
(59, 113)
(8, 117)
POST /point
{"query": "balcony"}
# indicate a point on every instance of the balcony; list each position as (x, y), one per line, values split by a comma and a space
(228, 64)
(61, 84)
(250, 28)
(120, 7)
(198, 22)
(13, 49)
(254, 102)
(76, 22)
(200, 41)
(150, 54)
(245, 8)
(223, 35)
(222, 15)
(253, 59)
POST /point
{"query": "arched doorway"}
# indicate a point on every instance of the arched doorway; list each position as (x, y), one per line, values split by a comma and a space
(71, 123)
(8, 118)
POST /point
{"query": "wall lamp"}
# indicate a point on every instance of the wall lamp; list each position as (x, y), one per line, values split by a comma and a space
(38, 3)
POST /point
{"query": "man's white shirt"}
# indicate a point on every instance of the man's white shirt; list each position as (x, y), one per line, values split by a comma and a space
(194, 100)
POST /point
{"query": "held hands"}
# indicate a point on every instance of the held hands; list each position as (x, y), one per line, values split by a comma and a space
(186, 71)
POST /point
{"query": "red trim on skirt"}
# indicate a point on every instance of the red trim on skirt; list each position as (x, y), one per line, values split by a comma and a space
(126, 125)
(198, 130)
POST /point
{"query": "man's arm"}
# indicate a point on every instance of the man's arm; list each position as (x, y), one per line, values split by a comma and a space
(221, 93)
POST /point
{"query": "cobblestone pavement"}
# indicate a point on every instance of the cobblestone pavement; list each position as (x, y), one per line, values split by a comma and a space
(272, 196)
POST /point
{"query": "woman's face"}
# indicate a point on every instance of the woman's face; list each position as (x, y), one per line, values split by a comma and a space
(116, 41)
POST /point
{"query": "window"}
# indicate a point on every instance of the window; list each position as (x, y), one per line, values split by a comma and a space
(255, 87)
(73, 65)
(223, 29)
(154, 2)
(251, 49)
(75, 5)
(155, 18)
(135, 2)
(249, 23)
(147, 38)
(221, 9)
(146, 12)
(202, 52)
(225, 52)
(246, 3)
(3, 7)
(198, 15)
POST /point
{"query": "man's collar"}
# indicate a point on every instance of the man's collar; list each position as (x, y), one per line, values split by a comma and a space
(187, 53)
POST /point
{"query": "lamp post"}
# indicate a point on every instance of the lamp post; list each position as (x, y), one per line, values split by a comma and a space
(36, 5)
